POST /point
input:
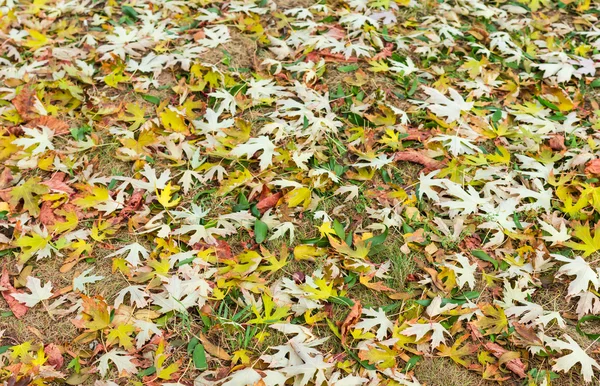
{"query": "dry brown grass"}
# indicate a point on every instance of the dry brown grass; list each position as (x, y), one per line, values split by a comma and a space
(444, 372)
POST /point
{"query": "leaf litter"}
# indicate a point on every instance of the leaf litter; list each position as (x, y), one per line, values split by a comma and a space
(267, 193)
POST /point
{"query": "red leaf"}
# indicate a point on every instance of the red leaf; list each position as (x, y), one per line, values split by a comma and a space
(593, 167)
(385, 53)
(419, 158)
(17, 308)
(55, 357)
(57, 182)
(268, 202)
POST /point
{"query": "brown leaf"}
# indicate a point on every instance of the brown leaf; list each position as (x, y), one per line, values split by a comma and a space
(268, 202)
(57, 183)
(5, 178)
(557, 142)
(385, 53)
(212, 349)
(514, 365)
(59, 127)
(593, 167)
(527, 333)
(419, 158)
(47, 216)
(24, 103)
(17, 308)
(351, 319)
(55, 357)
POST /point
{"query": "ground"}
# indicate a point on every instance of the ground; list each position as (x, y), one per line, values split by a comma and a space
(299, 193)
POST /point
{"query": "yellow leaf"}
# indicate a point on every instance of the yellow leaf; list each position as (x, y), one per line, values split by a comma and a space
(379, 355)
(308, 252)
(99, 195)
(299, 196)
(379, 66)
(493, 321)
(236, 179)
(165, 197)
(173, 121)
(29, 192)
(36, 39)
(30, 245)
(97, 311)
(122, 334)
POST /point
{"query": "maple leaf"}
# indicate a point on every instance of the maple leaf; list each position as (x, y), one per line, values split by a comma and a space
(137, 296)
(38, 244)
(42, 138)
(555, 236)
(165, 197)
(456, 352)
(134, 251)
(379, 355)
(590, 244)
(577, 355)
(253, 146)
(531, 312)
(38, 293)
(122, 334)
(580, 268)
(493, 321)
(82, 279)
(120, 358)
(29, 192)
(420, 329)
(444, 107)
(147, 330)
(464, 271)
(271, 314)
(97, 311)
(376, 318)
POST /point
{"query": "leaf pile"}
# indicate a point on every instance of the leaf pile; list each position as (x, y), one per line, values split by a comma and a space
(270, 193)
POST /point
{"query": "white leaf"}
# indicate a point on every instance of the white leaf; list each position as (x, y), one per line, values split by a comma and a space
(445, 107)
(465, 273)
(577, 355)
(137, 296)
(38, 293)
(41, 138)
(120, 359)
(580, 268)
(420, 329)
(556, 236)
(134, 252)
(427, 182)
(254, 145)
(351, 189)
(377, 318)
(80, 281)
(282, 229)
(147, 330)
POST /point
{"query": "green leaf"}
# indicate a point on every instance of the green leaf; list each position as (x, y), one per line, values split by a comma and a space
(342, 301)
(149, 371)
(260, 231)
(152, 99)
(595, 83)
(547, 103)
(412, 362)
(587, 318)
(348, 68)
(481, 255)
(339, 229)
(379, 239)
(199, 357)
(191, 345)
(130, 12)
